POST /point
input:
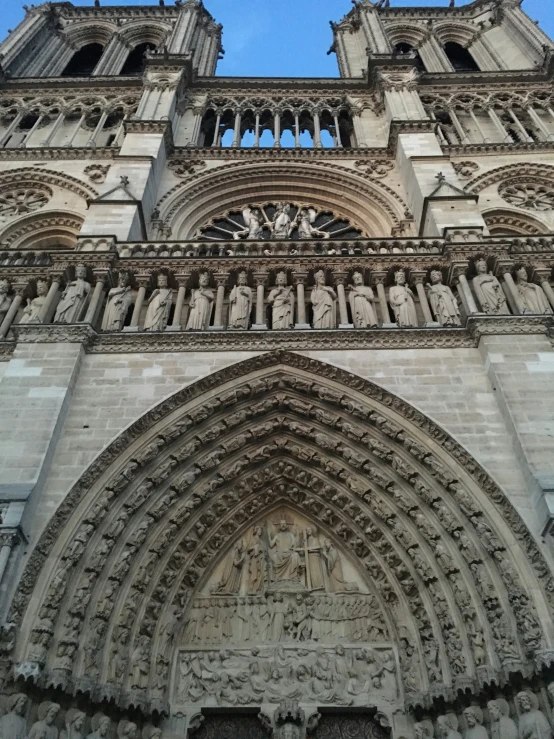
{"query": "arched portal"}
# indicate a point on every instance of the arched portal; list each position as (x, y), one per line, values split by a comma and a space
(284, 527)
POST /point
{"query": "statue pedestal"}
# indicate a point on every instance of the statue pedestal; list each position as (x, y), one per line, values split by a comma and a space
(431, 324)
(258, 327)
(216, 328)
(130, 329)
(174, 328)
(302, 326)
(389, 325)
(346, 325)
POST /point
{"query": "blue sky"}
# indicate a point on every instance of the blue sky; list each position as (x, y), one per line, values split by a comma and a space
(288, 38)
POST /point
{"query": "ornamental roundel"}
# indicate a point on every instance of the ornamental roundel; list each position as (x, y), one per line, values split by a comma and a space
(278, 221)
(529, 195)
(18, 201)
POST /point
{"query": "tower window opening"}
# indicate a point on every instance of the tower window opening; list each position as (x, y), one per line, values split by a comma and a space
(84, 61)
(460, 58)
(134, 63)
(27, 122)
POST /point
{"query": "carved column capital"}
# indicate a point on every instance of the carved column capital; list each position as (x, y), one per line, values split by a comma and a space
(378, 278)
(221, 279)
(340, 277)
(418, 277)
(541, 274)
(261, 278)
(299, 278)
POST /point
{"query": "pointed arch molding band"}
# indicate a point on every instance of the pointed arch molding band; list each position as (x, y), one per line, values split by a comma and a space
(462, 588)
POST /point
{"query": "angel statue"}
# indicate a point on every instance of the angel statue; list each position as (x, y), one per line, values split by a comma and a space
(304, 220)
(253, 222)
(281, 226)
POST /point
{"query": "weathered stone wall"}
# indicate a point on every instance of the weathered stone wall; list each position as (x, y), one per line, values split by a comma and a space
(498, 422)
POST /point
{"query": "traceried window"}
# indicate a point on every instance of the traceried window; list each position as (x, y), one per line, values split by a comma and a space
(278, 221)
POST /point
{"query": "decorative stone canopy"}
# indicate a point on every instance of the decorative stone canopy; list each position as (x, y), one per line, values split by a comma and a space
(462, 590)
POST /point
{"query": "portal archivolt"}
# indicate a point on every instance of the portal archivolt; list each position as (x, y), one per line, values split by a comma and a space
(443, 572)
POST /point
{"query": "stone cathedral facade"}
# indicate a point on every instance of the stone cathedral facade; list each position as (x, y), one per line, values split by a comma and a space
(276, 380)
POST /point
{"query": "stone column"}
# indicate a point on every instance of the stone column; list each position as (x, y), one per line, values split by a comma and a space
(464, 138)
(301, 322)
(317, 131)
(12, 311)
(340, 280)
(379, 281)
(260, 325)
(11, 128)
(75, 131)
(511, 290)
(176, 324)
(539, 123)
(277, 130)
(96, 301)
(221, 281)
(29, 136)
(8, 540)
(419, 278)
(466, 295)
(506, 137)
(257, 132)
(236, 139)
(139, 302)
(542, 277)
(478, 127)
(216, 142)
(297, 131)
(99, 126)
(520, 127)
(60, 119)
(45, 312)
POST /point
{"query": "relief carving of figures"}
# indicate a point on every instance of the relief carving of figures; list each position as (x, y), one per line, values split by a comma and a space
(502, 727)
(531, 296)
(127, 730)
(489, 291)
(333, 566)
(44, 728)
(336, 675)
(323, 301)
(361, 303)
(533, 724)
(34, 306)
(281, 227)
(12, 724)
(74, 720)
(474, 720)
(402, 301)
(443, 302)
(253, 221)
(241, 303)
(256, 561)
(72, 303)
(305, 218)
(119, 300)
(159, 306)
(282, 300)
(232, 579)
(201, 304)
(5, 300)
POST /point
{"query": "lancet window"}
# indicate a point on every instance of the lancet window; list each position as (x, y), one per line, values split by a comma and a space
(259, 123)
(84, 61)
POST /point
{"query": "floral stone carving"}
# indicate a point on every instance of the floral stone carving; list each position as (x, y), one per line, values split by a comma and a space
(528, 195)
(19, 201)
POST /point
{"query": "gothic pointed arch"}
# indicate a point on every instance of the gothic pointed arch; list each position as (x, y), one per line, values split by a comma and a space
(369, 205)
(431, 577)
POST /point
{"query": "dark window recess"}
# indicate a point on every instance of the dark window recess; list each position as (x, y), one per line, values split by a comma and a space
(84, 61)
(135, 61)
(28, 122)
(460, 58)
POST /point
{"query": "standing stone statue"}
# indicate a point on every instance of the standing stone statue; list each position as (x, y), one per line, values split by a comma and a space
(503, 727)
(253, 221)
(44, 728)
(256, 561)
(448, 727)
(233, 576)
(531, 296)
(241, 303)
(323, 300)
(402, 301)
(442, 301)
(5, 300)
(201, 304)
(34, 306)
(489, 291)
(119, 300)
(12, 724)
(282, 300)
(333, 567)
(361, 299)
(281, 226)
(159, 306)
(100, 726)
(74, 721)
(474, 718)
(533, 724)
(72, 303)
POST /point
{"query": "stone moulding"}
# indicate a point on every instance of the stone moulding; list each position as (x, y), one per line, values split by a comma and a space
(181, 341)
